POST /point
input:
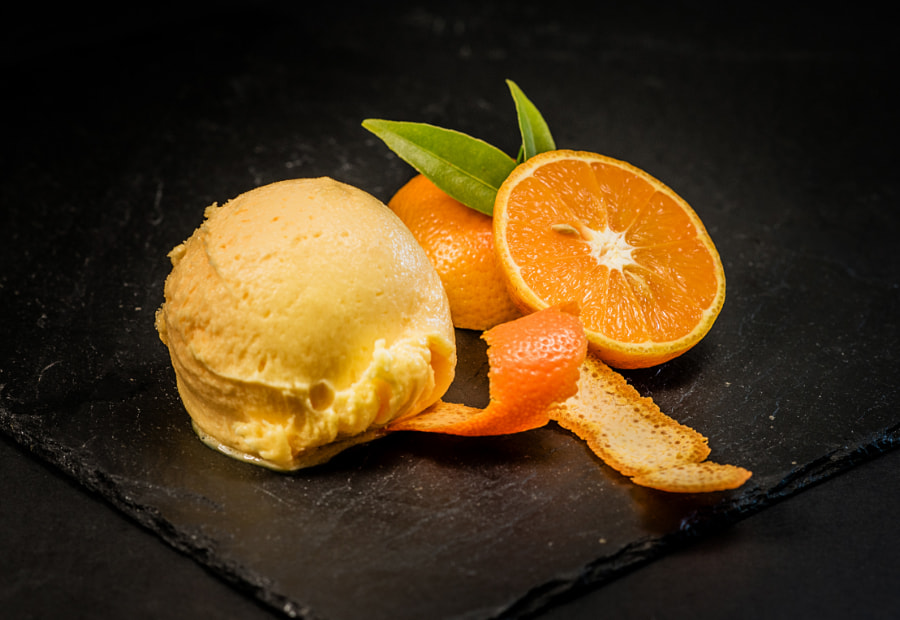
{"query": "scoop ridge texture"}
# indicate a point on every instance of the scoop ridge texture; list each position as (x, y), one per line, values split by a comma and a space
(300, 315)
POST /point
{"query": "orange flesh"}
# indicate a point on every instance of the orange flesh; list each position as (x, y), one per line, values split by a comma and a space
(637, 266)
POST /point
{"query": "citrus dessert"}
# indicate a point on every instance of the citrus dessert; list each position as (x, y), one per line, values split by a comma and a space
(301, 318)
(460, 243)
(583, 227)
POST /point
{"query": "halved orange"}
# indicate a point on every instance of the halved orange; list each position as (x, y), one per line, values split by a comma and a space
(582, 227)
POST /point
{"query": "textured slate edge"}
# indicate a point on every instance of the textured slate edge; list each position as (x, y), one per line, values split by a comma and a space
(108, 488)
(701, 523)
(538, 599)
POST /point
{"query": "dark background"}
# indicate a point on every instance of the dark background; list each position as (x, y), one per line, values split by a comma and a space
(774, 122)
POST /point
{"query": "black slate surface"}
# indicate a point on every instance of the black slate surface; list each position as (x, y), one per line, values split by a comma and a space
(826, 553)
(775, 130)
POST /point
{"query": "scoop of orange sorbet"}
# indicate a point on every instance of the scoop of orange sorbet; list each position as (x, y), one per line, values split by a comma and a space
(301, 318)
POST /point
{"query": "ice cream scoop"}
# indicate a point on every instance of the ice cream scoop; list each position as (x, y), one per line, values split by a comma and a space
(301, 318)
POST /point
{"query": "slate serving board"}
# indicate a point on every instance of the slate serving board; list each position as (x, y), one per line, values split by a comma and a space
(780, 139)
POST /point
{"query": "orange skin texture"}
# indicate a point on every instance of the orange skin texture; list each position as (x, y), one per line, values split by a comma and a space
(534, 363)
(460, 243)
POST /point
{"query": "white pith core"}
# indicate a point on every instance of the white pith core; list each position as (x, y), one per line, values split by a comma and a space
(609, 248)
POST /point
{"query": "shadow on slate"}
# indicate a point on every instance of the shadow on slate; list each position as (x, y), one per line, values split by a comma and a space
(795, 382)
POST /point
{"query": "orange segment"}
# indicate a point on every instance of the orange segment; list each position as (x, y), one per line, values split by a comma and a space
(534, 362)
(571, 225)
(460, 243)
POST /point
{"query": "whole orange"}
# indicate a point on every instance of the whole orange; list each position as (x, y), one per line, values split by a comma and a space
(460, 243)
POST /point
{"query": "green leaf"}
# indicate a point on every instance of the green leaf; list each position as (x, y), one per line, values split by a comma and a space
(466, 168)
(536, 137)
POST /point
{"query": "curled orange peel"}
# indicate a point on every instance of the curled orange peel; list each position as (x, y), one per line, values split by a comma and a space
(633, 436)
(534, 362)
(540, 370)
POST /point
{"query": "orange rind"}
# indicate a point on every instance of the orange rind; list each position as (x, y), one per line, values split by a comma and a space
(634, 437)
(460, 244)
(534, 362)
(702, 477)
